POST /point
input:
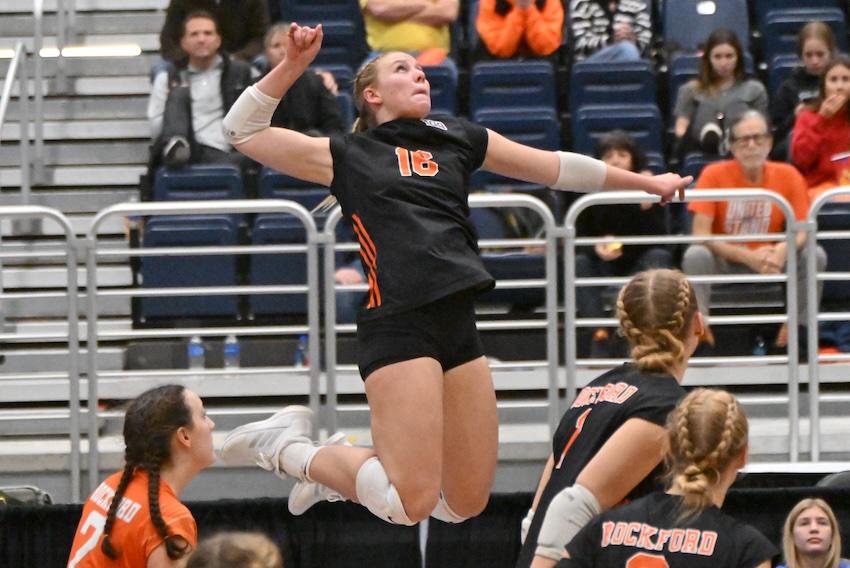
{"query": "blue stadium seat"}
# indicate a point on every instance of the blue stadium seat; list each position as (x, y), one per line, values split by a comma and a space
(443, 89)
(685, 66)
(762, 7)
(511, 84)
(278, 269)
(342, 22)
(492, 223)
(611, 83)
(780, 28)
(536, 127)
(189, 270)
(656, 162)
(688, 23)
(533, 126)
(271, 184)
(343, 44)
(642, 121)
(198, 182)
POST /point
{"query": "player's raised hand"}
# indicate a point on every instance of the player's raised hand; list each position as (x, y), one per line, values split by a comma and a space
(303, 43)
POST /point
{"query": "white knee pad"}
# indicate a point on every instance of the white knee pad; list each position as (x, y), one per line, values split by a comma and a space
(568, 512)
(376, 493)
(443, 512)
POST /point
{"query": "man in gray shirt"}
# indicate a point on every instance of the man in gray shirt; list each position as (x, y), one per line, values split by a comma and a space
(189, 101)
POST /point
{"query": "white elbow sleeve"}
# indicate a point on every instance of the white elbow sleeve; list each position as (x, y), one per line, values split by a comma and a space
(580, 173)
(250, 114)
(568, 512)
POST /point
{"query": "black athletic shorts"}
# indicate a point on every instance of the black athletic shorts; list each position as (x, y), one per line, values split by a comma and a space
(443, 330)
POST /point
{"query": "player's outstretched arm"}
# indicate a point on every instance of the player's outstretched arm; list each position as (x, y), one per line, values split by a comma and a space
(573, 172)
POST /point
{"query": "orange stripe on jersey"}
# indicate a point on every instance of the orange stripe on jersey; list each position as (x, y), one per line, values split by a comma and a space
(370, 258)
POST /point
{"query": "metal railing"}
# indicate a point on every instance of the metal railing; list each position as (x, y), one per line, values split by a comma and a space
(218, 382)
(789, 235)
(814, 317)
(18, 212)
(195, 378)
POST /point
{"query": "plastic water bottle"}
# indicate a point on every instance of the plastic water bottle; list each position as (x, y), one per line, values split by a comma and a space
(760, 348)
(231, 352)
(302, 353)
(195, 351)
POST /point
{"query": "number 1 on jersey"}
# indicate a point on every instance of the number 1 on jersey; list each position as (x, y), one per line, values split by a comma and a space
(418, 162)
(579, 425)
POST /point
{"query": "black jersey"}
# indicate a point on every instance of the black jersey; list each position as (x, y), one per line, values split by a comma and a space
(405, 187)
(600, 409)
(648, 533)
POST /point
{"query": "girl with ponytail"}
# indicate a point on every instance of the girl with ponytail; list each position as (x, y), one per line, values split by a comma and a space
(684, 526)
(134, 519)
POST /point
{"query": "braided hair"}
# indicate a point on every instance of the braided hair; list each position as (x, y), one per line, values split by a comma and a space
(706, 432)
(149, 425)
(655, 310)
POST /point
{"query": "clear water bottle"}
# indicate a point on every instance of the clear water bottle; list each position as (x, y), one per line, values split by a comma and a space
(302, 353)
(231, 352)
(760, 349)
(195, 351)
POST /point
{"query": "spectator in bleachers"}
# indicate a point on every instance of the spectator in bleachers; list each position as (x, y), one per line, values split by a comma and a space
(749, 140)
(815, 47)
(610, 31)
(308, 106)
(421, 28)
(811, 537)
(617, 148)
(236, 550)
(520, 28)
(189, 100)
(241, 23)
(135, 517)
(821, 132)
(707, 105)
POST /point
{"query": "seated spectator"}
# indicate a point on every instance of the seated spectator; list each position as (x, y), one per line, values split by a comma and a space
(520, 28)
(706, 105)
(749, 140)
(821, 132)
(241, 23)
(418, 27)
(308, 106)
(236, 550)
(811, 537)
(815, 46)
(619, 149)
(189, 101)
(610, 31)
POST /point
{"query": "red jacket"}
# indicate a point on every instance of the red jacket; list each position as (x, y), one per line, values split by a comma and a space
(815, 140)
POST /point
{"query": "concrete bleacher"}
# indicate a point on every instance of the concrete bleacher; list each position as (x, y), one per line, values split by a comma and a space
(96, 146)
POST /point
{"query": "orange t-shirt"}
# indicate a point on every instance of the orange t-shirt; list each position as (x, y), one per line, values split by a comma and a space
(751, 217)
(133, 532)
